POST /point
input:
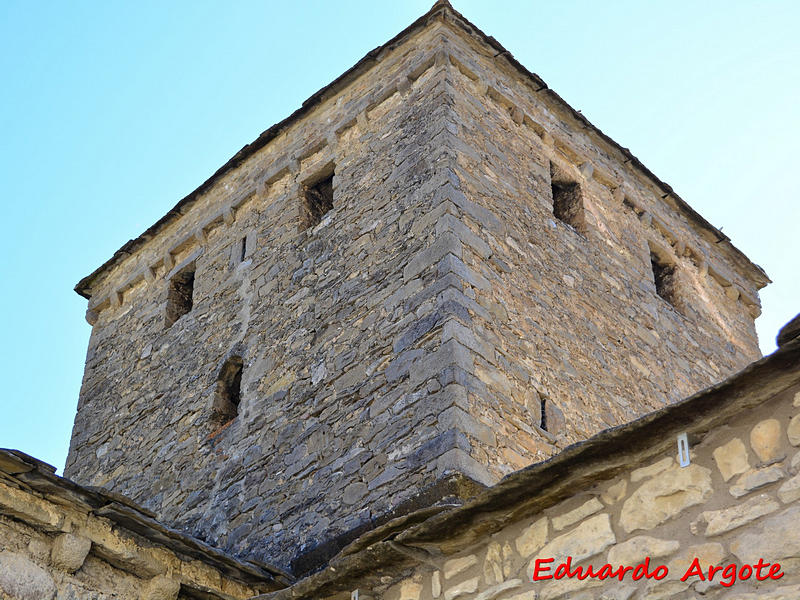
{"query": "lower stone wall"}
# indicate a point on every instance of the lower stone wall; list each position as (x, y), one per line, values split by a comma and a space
(55, 544)
(736, 503)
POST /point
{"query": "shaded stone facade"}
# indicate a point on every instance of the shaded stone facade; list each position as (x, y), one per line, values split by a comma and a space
(616, 499)
(493, 275)
(60, 540)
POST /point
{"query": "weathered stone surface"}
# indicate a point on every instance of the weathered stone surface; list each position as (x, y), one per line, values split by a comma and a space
(757, 478)
(161, 588)
(532, 538)
(493, 564)
(783, 592)
(731, 459)
(720, 521)
(567, 588)
(588, 539)
(614, 493)
(708, 554)
(637, 548)
(584, 510)
(665, 496)
(69, 551)
(410, 589)
(790, 490)
(454, 566)
(765, 440)
(651, 470)
(436, 584)
(461, 589)
(774, 538)
(793, 431)
(22, 579)
(494, 591)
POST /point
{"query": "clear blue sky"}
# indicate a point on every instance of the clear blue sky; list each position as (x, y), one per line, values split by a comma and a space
(111, 112)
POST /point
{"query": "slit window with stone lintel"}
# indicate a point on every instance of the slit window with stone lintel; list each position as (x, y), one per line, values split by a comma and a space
(180, 294)
(317, 198)
(228, 393)
(567, 199)
(664, 277)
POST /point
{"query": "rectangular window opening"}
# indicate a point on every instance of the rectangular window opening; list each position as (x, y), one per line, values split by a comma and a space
(179, 295)
(243, 252)
(664, 277)
(567, 200)
(318, 200)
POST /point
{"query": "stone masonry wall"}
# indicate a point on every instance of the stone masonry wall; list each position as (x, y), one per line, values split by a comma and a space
(737, 502)
(339, 419)
(55, 545)
(410, 335)
(568, 318)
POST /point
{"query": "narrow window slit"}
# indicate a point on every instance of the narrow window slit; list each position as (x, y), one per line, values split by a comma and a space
(229, 390)
(664, 278)
(243, 252)
(567, 200)
(543, 418)
(318, 200)
(179, 294)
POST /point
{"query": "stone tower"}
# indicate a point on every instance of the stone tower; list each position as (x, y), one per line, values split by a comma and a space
(433, 273)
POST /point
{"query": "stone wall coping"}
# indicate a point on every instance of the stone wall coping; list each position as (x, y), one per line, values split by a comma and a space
(528, 491)
(30, 473)
(441, 9)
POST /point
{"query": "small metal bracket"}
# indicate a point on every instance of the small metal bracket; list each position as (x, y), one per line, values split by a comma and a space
(683, 450)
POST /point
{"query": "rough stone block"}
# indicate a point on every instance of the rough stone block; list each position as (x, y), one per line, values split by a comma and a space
(584, 510)
(588, 539)
(666, 496)
(69, 551)
(23, 579)
(765, 440)
(731, 459)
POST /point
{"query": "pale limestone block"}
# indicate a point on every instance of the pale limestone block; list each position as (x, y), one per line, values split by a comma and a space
(615, 492)
(774, 538)
(726, 519)
(796, 401)
(790, 490)
(454, 566)
(508, 560)
(494, 591)
(466, 587)
(69, 551)
(793, 431)
(410, 590)
(567, 587)
(580, 513)
(636, 549)
(588, 539)
(532, 538)
(651, 470)
(436, 584)
(664, 497)
(795, 464)
(23, 579)
(765, 439)
(755, 479)
(665, 590)
(731, 459)
(161, 587)
(618, 592)
(784, 592)
(707, 554)
(493, 565)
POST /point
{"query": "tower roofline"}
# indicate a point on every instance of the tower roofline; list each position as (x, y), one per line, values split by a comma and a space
(442, 8)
